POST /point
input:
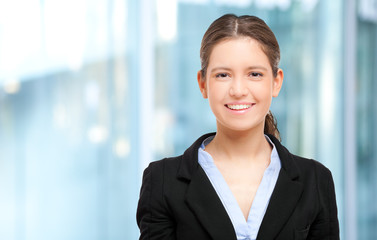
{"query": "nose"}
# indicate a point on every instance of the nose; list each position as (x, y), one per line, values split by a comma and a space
(238, 88)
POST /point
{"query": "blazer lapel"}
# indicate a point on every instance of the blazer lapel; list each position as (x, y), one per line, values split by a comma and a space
(202, 198)
(282, 203)
(285, 196)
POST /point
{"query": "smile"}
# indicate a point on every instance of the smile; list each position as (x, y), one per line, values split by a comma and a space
(238, 106)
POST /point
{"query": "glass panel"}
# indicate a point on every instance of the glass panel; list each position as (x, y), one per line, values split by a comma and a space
(67, 137)
(366, 127)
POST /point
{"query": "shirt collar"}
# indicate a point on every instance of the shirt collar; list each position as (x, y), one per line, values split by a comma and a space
(275, 160)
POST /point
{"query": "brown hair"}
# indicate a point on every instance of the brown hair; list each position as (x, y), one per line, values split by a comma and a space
(230, 26)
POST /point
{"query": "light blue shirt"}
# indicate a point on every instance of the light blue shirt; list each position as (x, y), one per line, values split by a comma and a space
(245, 230)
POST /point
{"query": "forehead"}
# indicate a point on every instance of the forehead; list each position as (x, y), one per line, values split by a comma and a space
(236, 51)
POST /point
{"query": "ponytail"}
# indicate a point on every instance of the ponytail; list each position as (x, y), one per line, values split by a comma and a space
(270, 126)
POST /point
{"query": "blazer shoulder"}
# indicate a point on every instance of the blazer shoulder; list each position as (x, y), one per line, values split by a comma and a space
(296, 165)
(307, 164)
(165, 164)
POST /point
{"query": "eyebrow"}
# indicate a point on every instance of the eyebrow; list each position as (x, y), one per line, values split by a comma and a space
(229, 69)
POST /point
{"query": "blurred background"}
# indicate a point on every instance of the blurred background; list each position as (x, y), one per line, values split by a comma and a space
(92, 91)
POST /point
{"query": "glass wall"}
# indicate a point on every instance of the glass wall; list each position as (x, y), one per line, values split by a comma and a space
(367, 119)
(67, 132)
(92, 91)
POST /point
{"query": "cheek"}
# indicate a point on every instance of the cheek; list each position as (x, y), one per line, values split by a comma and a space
(261, 91)
(216, 91)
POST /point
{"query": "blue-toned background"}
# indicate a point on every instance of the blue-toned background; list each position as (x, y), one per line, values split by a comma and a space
(92, 91)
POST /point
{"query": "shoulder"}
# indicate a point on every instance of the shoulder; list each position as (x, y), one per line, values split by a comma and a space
(183, 165)
(310, 166)
(319, 189)
(156, 171)
(316, 178)
(169, 163)
(154, 180)
(297, 165)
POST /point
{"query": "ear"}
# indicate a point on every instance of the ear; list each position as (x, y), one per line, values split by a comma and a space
(278, 82)
(202, 84)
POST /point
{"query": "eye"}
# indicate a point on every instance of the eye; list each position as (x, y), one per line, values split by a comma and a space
(222, 75)
(256, 74)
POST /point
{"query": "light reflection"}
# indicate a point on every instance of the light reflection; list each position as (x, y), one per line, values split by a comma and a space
(164, 120)
(12, 86)
(20, 40)
(65, 36)
(92, 92)
(119, 18)
(309, 5)
(98, 134)
(327, 96)
(368, 10)
(60, 116)
(167, 19)
(122, 147)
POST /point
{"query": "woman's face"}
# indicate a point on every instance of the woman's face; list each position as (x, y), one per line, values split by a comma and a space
(239, 84)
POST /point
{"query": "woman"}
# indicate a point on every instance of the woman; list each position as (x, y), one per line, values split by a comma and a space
(240, 182)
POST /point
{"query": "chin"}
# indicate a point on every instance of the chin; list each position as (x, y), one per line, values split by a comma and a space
(240, 129)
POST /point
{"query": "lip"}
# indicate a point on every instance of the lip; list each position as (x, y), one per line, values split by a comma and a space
(239, 111)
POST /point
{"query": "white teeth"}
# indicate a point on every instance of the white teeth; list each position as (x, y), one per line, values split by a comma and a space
(238, 106)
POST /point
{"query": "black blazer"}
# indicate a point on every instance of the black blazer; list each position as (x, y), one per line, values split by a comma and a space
(177, 201)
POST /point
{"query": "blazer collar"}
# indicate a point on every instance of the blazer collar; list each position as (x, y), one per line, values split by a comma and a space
(189, 163)
(286, 194)
(204, 202)
(202, 198)
(286, 158)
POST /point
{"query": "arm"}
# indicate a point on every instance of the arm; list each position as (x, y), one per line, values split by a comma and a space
(153, 217)
(326, 225)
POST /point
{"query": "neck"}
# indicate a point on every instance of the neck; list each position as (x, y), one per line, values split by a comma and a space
(239, 146)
